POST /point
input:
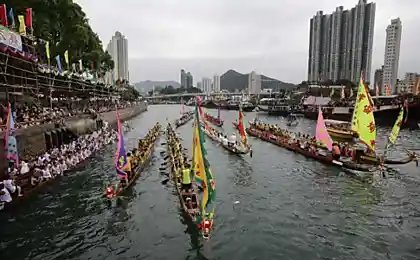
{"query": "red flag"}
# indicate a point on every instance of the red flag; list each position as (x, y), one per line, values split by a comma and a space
(3, 15)
(29, 18)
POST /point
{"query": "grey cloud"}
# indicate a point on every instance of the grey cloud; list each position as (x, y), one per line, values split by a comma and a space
(210, 36)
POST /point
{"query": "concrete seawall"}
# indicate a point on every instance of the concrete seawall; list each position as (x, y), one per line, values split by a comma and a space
(36, 140)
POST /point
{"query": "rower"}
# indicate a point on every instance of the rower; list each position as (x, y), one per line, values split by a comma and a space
(5, 196)
(336, 151)
(359, 147)
(186, 179)
(129, 162)
(12, 187)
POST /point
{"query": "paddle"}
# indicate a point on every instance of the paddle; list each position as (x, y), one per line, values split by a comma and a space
(413, 155)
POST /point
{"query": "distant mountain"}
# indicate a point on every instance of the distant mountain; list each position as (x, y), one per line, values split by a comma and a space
(146, 86)
(233, 80)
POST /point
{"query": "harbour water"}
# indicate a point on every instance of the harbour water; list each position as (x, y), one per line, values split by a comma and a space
(275, 205)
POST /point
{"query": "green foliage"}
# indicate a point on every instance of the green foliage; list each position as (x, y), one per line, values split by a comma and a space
(130, 94)
(65, 25)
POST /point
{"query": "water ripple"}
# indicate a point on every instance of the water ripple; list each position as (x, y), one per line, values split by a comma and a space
(275, 205)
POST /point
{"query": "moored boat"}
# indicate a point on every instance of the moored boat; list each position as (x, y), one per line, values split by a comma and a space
(293, 119)
(217, 121)
(339, 130)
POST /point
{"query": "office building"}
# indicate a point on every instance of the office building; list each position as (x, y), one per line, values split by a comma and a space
(199, 86)
(392, 55)
(216, 83)
(254, 83)
(206, 85)
(186, 79)
(118, 49)
(340, 44)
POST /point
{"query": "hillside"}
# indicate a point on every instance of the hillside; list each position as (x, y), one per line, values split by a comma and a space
(146, 86)
(232, 80)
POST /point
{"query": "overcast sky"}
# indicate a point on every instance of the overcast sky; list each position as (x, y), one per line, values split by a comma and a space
(208, 37)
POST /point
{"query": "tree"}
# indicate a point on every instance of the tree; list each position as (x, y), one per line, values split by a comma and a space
(65, 25)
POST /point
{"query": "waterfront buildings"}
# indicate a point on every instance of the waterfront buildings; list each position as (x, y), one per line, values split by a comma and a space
(254, 83)
(410, 84)
(216, 83)
(186, 79)
(206, 85)
(118, 49)
(340, 44)
(392, 56)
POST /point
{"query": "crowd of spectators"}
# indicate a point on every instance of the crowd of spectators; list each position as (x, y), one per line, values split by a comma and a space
(38, 114)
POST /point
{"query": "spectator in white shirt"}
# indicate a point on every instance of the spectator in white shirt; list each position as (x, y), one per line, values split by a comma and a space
(24, 167)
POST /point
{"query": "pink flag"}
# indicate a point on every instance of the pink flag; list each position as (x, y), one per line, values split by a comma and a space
(321, 133)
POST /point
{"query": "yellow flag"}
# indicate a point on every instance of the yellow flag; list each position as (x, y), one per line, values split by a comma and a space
(22, 27)
(66, 57)
(397, 126)
(47, 50)
(364, 118)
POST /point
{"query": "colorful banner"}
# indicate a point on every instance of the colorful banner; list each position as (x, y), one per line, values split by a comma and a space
(241, 128)
(397, 126)
(3, 15)
(10, 38)
(363, 119)
(321, 132)
(208, 184)
(121, 160)
(10, 139)
(28, 20)
(22, 26)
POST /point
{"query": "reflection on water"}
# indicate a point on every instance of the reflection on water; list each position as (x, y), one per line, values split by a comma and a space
(275, 205)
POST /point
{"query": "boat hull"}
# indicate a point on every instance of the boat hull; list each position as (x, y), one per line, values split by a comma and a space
(340, 135)
(233, 150)
(137, 171)
(190, 217)
(324, 159)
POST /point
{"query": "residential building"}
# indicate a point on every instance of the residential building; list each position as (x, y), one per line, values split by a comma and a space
(183, 79)
(392, 55)
(189, 80)
(340, 44)
(400, 87)
(118, 49)
(411, 82)
(199, 86)
(377, 79)
(186, 79)
(206, 85)
(216, 83)
(254, 83)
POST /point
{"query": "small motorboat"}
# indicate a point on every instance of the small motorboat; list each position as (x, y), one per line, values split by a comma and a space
(292, 120)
